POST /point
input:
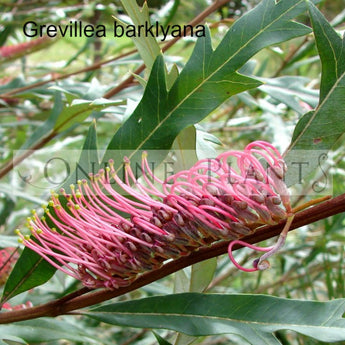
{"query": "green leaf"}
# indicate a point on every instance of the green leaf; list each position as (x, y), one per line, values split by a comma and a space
(78, 111)
(44, 330)
(88, 160)
(48, 125)
(8, 241)
(202, 275)
(208, 79)
(63, 117)
(331, 50)
(29, 271)
(147, 45)
(253, 317)
(319, 130)
(161, 341)
(184, 147)
(290, 90)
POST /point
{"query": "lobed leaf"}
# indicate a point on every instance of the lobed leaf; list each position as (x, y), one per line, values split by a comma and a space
(208, 79)
(331, 48)
(318, 131)
(147, 45)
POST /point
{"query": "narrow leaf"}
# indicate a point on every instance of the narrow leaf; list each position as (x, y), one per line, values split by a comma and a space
(48, 125)
(45, 330)
(78, 111)
(253, 317)
(29, 271)
(291, 90)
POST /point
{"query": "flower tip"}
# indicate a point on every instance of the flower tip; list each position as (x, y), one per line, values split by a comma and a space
(261, 265)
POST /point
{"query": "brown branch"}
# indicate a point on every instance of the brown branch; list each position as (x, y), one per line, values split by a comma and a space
(82, 299)
(287, 59)
(90, 68)
(15, 161)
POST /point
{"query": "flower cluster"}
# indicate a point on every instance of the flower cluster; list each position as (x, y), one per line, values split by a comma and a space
(17, 50)
(9, 307)
(105, 236)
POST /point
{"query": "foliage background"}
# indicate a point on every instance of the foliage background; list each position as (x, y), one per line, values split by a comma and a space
(310, 267)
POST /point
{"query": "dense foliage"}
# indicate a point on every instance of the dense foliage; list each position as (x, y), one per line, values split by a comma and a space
(256, 71)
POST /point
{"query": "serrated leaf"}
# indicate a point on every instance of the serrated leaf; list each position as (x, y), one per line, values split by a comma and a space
(29, 271)
(253, 317)
(331, 50)
(45, 330)
(147, 45)
(208, 79)
(172, 76)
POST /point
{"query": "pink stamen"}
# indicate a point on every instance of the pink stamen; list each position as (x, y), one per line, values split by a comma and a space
(106, 236)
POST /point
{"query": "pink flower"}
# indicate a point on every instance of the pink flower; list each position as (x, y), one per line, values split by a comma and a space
(9, 307)
(105, 239)
(17, 50)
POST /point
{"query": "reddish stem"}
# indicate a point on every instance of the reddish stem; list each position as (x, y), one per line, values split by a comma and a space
(83, 298)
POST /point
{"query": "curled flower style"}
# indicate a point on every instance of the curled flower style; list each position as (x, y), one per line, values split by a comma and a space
(105, 237)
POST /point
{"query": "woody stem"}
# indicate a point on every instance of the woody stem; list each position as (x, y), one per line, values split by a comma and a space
(63, 306)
